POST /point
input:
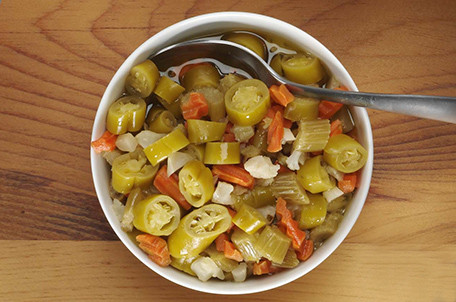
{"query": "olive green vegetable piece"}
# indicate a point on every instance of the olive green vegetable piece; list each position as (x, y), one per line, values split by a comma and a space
(287, 186)
(258, 197)
(327, 229)
(345, 118)
(246, 244)
(345, 154)
(314, 213)
(340, 203)
(290, 260)
(142, 79)
(184, 264)
(130, 171)
(196, 183)
(250, 41)
(273, 244)
(199, 76)
(302, 109)
(260, 138)
(162, 122)
(166, 145)
(227, 265)
(312, 135)
(168, 90)
(302, 68)
(314, 177)
(158, 215)
(276, 64)
(197, 151)
(197, 230)
(134, 196)
(249, 219)
(247, 102)
(174, 107)
(126, 114)
(200, 131)
(217, 153)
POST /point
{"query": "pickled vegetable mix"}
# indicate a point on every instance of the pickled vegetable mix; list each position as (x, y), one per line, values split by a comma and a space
(220, 176)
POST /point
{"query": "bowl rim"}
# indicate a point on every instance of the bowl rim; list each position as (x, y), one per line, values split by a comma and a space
(181, 278)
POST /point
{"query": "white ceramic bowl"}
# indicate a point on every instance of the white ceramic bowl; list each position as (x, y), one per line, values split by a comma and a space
(220, 22)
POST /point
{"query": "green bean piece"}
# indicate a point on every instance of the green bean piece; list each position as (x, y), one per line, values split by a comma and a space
(287, 186)
(327, 229)
(312, 135)
(217, 153)
(163, 122)
(142, 79)
(314, 213)
(249, 219)
(345, 154)
(166, 145)
(302, 68)
(290, 260)
(168, 90)
(131, 170)
(302, 109)
(134, 196)
(250, 41)
(273, 244)
(246, 244)
(200, 75)
(126, 114)
(196, 183)
(200, 131)
(197, 151)
(227, 265)
(314, 177)
(215, 101)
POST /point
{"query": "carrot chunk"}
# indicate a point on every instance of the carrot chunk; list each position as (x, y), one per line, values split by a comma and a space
(234, 174)
(348, 184)
(106, 143)
(281, 95)
(336, 128)
(275, 133)
(156, 248)
(170, 186)
(196, 107)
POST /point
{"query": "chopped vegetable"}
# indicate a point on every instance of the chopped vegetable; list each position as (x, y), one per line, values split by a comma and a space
(302, 68)
(200, 131)
(165, 146)
(281, 94)
(345, 154)
(249, 219)
(263, 267)
(146, 138)
(222, 194)
(126, 142)
(327, 109)
(332, 194)
(273, 244)
(222, 153)
(313, 177)
(287, 186)
(348, 184)
(106, 143)
(199, 75)
(170, 186)
(286, 218)
(168, 90)
(128, 216)
(142, 79)
(246, 244)
(234, 174)
(312, 136)
(261, 167)
(275, 133)
(205, 268)
(196, 107)
(176, 161)
(302, 109)
(126, 114)
(306, 250)
(156, 248)
(314, 213)
(336, 128)
(196, 183)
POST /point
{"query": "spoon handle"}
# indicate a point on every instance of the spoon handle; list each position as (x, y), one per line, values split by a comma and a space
(432, 107)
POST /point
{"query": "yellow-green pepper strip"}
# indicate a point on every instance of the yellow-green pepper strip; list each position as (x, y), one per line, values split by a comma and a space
(302, 68)
(247, 102)
(142, 79)
(302, 109)
(134, 196)
(163, 122)
(273, 244)
(249, 219)
(314, 213)
(314, 177)
(197, 230)
(196, 183)
(130, 171)
(200, 131)
(276, 64)
(197, 151)
(126, 114)
(222, 153)
(250, 41)
(168, 144)
(345, 154)
(158, 215)
(201, 75)
(168, 90)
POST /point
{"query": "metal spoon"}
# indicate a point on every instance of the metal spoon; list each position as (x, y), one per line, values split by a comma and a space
(237, 58)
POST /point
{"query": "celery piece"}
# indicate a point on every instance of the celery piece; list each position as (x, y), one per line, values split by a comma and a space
(287, 186)
(249, 219)
(312, 136)
(273, 244)
(290, 260)
(227, 265)
(245, 244)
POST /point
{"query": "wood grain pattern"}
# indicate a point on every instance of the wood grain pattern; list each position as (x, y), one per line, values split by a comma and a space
(57, 57)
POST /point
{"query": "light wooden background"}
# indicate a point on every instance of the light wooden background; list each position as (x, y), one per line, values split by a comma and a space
(57, 57)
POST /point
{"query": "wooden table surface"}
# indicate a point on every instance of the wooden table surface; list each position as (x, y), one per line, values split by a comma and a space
(56, 59)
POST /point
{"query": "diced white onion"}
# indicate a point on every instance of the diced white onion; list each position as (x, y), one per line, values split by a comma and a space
(332, 194)
(335, 173)
(296, 159)
(287, 136)
(240, 272)
(261, 167)
(222, 194)
(177, 160)
(126, 142)
(268, 212)
(118, 208)
(146, 137)
(205, 268)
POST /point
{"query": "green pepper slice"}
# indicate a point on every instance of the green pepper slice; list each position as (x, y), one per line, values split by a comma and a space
(314, 213)
(196, 183)
(166, 145)
(197, 230)
(158, 215)
(248, 40)
(131, 170)
(302, 68)
(163, 122)
(247, 102)
(197, 151)
(302, 109)
(126, 114)
(199, 75)
(222, 153)
(249, 219)
(168, 90)
(345, 154)
(142, 79)
(314, 177)
(200, 131)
